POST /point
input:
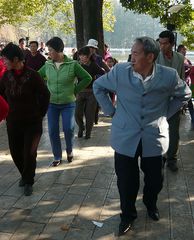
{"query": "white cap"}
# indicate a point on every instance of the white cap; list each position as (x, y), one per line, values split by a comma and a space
(92, 43)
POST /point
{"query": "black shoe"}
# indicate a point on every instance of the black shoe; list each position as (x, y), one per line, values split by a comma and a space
(154, 214)
(88, 134)
(28, 189)
(21, 183)
(55, 163)
(124, 227)
(69, 158)
(87, 137)
(172, 166)
(80, 133)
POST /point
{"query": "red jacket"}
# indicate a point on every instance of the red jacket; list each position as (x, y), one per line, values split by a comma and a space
(26, 94)
(2, 67)
(4, 108)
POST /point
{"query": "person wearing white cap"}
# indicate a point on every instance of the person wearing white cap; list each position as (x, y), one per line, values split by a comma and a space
(93, 45)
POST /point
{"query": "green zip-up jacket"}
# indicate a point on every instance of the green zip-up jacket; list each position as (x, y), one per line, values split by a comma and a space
(62, 83)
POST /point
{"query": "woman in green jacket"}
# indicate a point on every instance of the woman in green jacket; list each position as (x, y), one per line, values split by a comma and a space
(61, 73)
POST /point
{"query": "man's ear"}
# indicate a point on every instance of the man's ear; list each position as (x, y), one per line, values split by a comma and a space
(150, 57)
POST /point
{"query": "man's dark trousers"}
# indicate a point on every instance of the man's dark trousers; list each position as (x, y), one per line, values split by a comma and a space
(174, 123)
(127, 171)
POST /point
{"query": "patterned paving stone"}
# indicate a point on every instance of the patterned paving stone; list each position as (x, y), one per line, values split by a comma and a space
(66, 199)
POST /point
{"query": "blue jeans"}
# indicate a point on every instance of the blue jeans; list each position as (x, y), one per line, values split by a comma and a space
(68, 122)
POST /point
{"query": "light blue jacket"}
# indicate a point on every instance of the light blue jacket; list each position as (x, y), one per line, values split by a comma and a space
(142, 110)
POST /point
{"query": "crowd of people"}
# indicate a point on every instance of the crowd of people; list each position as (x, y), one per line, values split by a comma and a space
(144, 96)
(33, 84)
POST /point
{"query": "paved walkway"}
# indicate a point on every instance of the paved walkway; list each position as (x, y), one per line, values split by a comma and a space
(67, 199)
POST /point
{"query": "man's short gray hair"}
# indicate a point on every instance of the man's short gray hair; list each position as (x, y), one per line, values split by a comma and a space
(149, 45)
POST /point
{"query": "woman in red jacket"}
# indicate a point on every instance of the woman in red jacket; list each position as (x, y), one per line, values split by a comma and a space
(28, 99)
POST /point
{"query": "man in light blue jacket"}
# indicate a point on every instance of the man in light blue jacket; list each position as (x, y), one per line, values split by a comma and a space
(147, 94)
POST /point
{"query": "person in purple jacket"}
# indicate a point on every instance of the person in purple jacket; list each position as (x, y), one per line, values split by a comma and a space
(35, 59)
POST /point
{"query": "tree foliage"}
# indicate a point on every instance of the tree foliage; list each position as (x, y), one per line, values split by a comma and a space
(129, 26)
(14, 11)
(183, 19)
(56, 15)
(108, 16)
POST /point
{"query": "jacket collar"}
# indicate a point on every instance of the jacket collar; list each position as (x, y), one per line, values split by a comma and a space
(66, 61)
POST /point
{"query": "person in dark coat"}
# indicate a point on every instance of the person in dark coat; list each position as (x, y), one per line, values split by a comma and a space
(86, 102)
(35, 59)
(28, 99)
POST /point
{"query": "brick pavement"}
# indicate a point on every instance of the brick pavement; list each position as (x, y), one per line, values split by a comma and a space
(68, 198)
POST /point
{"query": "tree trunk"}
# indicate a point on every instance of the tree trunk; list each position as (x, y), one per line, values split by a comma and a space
(88, 22)
(78, 13)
